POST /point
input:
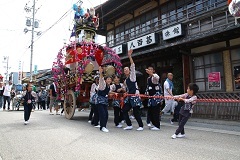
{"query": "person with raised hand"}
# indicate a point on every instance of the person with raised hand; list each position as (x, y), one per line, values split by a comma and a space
(132, 102)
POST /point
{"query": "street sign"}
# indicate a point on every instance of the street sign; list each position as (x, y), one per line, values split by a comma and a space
(35, 69)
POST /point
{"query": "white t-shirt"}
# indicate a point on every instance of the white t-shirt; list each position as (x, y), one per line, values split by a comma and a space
(7, 90)
(166, 87)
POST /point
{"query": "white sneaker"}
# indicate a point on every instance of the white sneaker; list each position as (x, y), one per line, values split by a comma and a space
(104, 129)
(98, 126)
(131, 117)
(128, 128)
(174, 136)
(180, 135)
(155, 129)
(140, 129)
(51, 113)
(26, 122)
(89, 121)
(119, 126)
(149, 125)
(171, 122)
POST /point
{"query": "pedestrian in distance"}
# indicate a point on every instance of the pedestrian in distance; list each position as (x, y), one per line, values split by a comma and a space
(29, 99)
(170, 104)
(189, 100)
(102, 99)
(13, 94)
(132, 102)
(1, 94)
(7, 95)
(48, 98)
(53, 99)
(43, 96)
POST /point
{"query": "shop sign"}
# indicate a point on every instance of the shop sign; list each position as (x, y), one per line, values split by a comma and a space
(143, 41)
(172, 32)
(19, 75)
(214, 81)
(35, 69)
(118, 49)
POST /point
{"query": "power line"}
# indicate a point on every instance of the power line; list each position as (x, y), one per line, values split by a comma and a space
(3, 4)
(59, 20)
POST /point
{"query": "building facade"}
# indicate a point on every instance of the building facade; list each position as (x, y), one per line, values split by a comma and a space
(197, 40)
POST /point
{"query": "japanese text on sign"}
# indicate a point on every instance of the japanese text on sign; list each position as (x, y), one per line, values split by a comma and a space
(118, 49)
(214, 81)
(172, 32)
(142, 41)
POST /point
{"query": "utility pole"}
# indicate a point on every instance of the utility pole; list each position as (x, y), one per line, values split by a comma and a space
(34, 24)
(33, 21)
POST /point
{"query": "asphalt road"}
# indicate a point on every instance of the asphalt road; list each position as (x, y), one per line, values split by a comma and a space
(52, 137)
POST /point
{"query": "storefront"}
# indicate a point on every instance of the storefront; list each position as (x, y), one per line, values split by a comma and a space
(198, 41)
(217, 58)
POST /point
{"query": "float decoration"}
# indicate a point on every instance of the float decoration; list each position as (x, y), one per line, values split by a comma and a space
(234, 8)
(82, 58)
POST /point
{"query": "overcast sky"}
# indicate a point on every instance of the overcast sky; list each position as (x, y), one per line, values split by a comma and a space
(14, 42)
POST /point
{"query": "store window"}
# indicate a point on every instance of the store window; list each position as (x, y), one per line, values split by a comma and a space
(205, 66)
(110, 38)
(172, 16)
(129, 31)
(180, 14)
(119, 35)
(190, 10)
(137, 26)
(235, 59)
(199, 6)
(164, 18)
(146, 22)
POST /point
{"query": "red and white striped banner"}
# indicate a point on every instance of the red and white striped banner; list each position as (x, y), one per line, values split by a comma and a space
(215, 100)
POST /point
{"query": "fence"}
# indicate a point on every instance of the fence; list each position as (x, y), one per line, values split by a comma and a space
(218, 110)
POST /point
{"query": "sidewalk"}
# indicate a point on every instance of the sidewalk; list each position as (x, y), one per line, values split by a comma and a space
(219, 126)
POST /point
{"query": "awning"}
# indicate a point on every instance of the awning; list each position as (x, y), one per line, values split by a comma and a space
(44, 78)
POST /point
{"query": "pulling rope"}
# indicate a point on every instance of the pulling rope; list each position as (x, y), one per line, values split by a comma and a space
(121, 97)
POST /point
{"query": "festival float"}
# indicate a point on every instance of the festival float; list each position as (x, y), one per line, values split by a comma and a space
(234, 8)
(77, 63)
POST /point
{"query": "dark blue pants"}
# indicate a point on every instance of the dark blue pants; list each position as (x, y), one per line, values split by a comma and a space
(27, 111)
(95, 119)
(148, 118)
(136, 113)
(181, 123)
(1, 101)
(90, 117)
(6, 99)
(118, 115)
(103, 115)
(153, 113)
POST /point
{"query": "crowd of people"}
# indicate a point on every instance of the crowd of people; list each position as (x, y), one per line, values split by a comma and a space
(103, 87)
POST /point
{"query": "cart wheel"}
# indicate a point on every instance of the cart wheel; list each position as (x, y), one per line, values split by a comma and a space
(69, 104)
